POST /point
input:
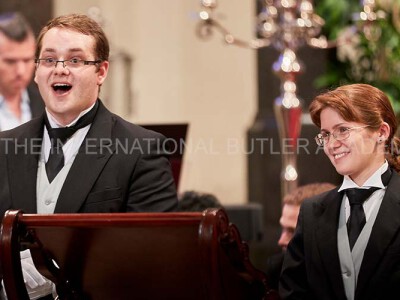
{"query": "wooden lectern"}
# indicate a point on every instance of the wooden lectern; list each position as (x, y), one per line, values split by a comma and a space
(132, 256)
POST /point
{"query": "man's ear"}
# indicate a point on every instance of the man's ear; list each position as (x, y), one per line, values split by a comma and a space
(35, 78)
(102, 72)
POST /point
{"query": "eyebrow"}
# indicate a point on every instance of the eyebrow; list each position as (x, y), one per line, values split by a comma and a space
(72, 50)
(336, 126)
(8, 58)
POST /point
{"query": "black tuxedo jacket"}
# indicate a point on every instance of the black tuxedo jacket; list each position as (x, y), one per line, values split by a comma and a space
(311, 268)
(120, 167)
(273, 269)
(35, 101)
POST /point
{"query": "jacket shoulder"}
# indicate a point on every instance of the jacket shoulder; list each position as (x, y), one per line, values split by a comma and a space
(125, 128)
(318, 203)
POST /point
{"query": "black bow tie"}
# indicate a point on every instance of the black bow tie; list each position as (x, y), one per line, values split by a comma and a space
(59, 136)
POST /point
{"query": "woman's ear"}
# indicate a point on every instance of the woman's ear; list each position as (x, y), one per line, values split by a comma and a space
(384, 132)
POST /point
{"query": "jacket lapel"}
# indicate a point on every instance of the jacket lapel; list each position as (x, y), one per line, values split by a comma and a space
(386, 225)
(96, 150)
(327, 213)
(35, 101)
(23, 164)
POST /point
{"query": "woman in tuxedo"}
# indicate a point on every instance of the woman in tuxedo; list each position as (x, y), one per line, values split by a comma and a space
(347, 241)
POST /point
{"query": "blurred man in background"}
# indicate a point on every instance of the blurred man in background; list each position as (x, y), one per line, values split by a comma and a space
(19, 102)
(288, 222)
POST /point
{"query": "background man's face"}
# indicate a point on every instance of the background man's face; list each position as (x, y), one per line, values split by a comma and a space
(16, 64)
(288, 223)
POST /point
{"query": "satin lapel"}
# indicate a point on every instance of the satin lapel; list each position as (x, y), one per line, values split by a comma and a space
(326, 235)
(386, 225)
(23, 164)
(35, 101)
(96, 150)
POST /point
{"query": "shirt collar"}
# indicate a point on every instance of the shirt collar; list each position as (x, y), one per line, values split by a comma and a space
(375, 180)
(54, 123)
(24, 98)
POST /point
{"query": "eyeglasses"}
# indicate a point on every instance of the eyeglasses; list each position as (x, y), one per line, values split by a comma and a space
(340, 134)
(73, 63)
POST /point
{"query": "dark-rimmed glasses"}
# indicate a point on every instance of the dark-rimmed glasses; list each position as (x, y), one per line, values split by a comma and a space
(73, 63)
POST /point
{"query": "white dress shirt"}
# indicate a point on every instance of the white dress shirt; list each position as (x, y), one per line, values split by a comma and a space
(374, 181)
(7, 118)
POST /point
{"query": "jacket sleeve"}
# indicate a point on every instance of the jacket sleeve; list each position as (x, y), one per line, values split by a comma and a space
(152, 186)
(293, 282)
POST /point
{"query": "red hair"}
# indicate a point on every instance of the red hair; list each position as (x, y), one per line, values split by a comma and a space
(361, 103)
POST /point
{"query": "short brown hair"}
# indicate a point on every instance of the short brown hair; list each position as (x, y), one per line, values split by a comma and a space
(15, 27)
(297, 196)
(83, 24)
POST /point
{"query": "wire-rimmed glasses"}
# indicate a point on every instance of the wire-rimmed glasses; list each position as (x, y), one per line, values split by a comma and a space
(339, 134)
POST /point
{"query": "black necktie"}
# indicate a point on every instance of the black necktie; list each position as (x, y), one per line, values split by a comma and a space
(356, 220)
(356, 198)
(59, 136)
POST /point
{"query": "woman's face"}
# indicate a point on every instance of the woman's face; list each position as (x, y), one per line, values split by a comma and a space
(360, 154)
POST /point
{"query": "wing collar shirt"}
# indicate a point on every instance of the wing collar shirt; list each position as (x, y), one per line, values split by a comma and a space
(374, 181)
(71, 147)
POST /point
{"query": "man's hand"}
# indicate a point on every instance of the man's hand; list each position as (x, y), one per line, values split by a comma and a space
(36, 285)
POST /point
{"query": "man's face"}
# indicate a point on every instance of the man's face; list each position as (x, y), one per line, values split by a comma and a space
(288, 223)
(68, 91)
(16, 64)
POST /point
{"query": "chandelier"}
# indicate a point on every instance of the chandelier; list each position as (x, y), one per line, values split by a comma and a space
(286, 25)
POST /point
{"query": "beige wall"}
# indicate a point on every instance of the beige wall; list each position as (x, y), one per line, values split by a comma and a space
(178, 78)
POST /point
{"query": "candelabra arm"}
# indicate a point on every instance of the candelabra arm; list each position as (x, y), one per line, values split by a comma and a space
(288, 25)
(204, 30)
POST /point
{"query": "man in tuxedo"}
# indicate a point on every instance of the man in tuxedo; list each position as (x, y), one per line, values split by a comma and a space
(19, 100)
(79, 157)
(288, 222)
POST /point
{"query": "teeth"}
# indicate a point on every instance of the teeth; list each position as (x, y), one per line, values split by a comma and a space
(336, 156)
(61, 84)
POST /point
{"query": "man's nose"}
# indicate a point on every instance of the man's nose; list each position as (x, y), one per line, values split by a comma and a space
(59, 68)
(284, 240)
(22, 67)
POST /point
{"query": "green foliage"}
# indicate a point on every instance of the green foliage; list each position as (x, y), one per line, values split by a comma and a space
(373, 59)
(336, 13)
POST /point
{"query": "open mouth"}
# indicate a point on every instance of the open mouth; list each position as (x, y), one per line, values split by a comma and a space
(61, 88)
